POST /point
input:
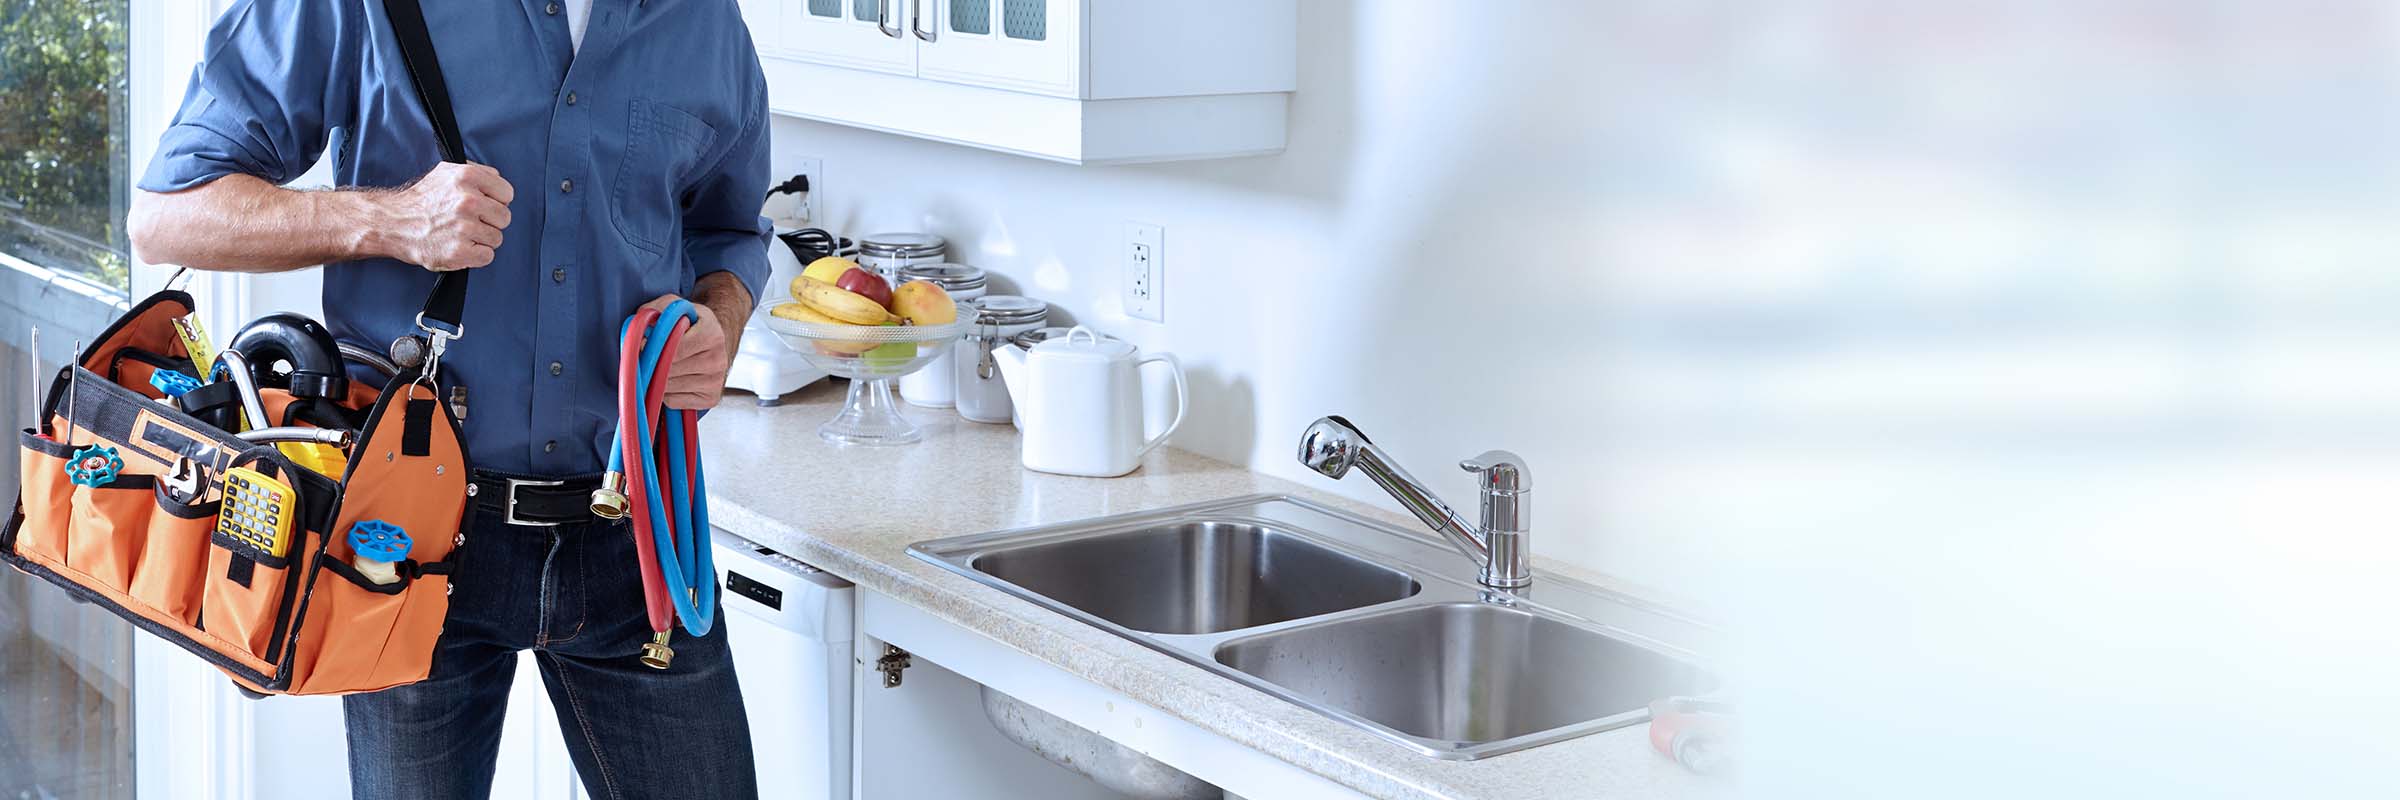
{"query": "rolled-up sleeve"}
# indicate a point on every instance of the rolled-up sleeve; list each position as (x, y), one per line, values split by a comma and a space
(258, 102)
(722, 231)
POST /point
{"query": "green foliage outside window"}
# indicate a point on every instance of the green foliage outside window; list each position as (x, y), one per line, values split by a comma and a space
(62, 135)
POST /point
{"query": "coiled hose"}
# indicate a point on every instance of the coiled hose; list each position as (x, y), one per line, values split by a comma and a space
(670, 516)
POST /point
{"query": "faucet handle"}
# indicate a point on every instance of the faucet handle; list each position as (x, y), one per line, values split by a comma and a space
(1499, 471)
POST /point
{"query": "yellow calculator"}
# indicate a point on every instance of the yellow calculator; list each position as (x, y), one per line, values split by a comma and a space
(257, 510)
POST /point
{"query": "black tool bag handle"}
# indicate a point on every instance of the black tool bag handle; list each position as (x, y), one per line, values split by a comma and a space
(439, 320)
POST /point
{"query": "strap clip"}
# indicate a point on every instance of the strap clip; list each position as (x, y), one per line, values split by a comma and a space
(437, 341)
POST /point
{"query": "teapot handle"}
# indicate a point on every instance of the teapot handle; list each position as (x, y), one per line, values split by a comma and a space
(1182, 400)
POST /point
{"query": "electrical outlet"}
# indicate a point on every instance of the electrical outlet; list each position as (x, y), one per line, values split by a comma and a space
(1145, 272)
(804, 210)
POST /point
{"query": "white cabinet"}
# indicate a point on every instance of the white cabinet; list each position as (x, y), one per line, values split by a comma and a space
(1004, 44)
(1081, 81)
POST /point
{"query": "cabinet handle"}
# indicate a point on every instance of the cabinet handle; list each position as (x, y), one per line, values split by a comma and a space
(891, 11)
(917, 18)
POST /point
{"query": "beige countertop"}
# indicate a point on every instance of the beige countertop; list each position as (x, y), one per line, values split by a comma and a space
(854, 512)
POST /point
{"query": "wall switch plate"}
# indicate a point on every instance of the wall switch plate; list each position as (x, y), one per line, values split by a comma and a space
(1145, 272)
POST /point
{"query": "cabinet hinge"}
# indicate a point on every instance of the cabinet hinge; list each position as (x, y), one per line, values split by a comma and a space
(893, 661)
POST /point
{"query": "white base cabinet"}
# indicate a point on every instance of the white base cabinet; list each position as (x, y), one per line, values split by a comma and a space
(1078, 81)
(929, 737)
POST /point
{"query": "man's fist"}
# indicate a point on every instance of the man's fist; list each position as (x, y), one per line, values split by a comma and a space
(450, 219)
(697, 378)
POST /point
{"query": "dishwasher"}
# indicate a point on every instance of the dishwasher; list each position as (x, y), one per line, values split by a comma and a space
(791, 627)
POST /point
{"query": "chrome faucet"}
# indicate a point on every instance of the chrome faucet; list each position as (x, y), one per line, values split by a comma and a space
(1333, 445)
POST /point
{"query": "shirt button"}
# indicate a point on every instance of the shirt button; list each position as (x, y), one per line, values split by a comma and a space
(567, 186)
(570, 98)
(550, 446)
(558, 275)
(557, 368)
(551, 9)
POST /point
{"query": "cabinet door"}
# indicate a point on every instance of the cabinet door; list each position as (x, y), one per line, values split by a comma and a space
(859, 34)
(1027, 45)
(765, 18)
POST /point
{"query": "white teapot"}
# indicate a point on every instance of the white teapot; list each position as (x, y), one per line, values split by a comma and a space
(1079, 400)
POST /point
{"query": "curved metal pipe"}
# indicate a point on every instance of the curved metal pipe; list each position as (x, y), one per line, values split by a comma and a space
(237, 368)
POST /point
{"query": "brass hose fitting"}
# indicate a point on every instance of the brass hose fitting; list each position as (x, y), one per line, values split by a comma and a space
(656, 654)
(608, 501)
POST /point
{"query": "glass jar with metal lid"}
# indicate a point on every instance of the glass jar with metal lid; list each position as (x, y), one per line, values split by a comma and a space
(936, 386)
(886, 253)
(982, 397)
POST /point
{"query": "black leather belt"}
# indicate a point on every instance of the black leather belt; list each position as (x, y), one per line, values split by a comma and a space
(539, 502)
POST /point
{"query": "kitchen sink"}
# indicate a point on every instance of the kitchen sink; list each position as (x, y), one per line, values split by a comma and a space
(1462, 674)
(1376, 626)
(1196, 577)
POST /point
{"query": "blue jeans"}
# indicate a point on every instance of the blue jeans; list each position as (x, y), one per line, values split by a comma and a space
(571, 595)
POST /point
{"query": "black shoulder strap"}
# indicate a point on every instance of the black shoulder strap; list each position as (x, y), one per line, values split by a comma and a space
(448, 302)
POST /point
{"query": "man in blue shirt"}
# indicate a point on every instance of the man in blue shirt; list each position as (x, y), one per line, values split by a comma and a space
(619, 153)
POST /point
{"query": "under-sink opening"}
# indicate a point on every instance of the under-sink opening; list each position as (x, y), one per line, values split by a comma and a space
(1197, 577)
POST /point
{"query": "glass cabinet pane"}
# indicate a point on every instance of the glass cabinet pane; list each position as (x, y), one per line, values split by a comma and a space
(866, 10)
(971, 16)
(825, 8)
(1025, 19)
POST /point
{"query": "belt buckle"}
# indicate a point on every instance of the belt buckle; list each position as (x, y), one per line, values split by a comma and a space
(508, 506)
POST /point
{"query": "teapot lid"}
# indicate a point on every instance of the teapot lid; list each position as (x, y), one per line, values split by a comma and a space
(1084, 344)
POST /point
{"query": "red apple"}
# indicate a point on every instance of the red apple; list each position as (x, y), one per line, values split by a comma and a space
(868, 285)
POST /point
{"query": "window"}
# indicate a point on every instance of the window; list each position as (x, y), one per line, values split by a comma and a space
(66, 668)
(63, 171)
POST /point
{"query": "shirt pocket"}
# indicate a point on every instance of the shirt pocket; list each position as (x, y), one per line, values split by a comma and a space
(663, 147)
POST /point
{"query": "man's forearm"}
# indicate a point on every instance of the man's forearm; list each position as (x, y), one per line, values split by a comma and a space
(725, 295)
(244, 224)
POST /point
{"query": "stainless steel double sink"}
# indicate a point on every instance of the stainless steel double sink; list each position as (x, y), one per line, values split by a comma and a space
(1376, 626)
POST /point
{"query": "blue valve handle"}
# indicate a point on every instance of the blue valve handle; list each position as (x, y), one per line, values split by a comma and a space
(173, 383)
(685, 562)
(94, 466)
(377, 540)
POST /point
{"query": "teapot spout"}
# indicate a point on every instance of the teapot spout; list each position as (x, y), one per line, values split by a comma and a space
(1011, 360)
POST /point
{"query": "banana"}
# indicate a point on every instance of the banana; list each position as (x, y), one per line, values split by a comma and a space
(802, 313)
(842, 304)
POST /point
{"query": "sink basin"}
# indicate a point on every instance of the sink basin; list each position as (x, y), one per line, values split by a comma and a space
(1196, 577)
(1373, 626)
(1457, 676)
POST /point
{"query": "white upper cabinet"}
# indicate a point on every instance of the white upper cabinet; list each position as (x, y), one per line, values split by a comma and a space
(1003, 44)
(1080, 81)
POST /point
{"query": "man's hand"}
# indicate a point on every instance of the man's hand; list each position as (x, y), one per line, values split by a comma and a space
(450, 219)
(697, 378)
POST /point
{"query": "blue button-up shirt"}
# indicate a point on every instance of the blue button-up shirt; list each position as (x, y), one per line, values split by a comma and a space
(639, 164)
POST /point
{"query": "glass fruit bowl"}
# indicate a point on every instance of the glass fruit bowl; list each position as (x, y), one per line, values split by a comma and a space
(870, 356)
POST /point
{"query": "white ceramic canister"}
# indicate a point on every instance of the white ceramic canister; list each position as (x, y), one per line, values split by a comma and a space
(886, 254)
(936, 386)
(982, 395)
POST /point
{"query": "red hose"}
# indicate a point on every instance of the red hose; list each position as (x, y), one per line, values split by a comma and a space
(637, 463)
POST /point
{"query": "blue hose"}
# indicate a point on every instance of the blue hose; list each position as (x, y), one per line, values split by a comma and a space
(686, 564)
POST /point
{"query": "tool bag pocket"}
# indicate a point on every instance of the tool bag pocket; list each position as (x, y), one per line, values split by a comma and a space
(168, 576)
(242, 595)
(107, 525)
(407, 473)
(41, 532)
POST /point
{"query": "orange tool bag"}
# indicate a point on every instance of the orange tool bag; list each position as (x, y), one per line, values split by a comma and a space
(107, 507)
